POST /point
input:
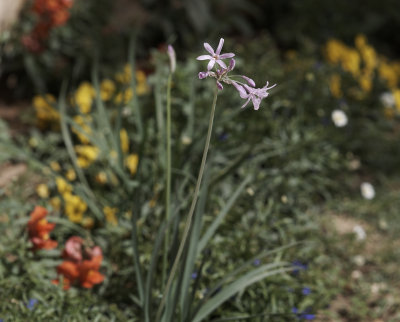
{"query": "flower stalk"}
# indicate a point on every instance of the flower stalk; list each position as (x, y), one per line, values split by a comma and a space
(189, 218)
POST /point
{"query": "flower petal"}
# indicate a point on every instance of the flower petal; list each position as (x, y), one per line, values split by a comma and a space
(221, 43)
(209, 48)
(256, 102)
(219, 85)
(227, 55)
(249, 81)
(241, 90)
(244, 105)
(211, 64)
(232, 64)
(221, 63)
(203, 75)
(204, 57)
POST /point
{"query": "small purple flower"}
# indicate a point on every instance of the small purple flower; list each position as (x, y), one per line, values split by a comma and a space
(306, 291)
(194, 275)
(303, 315)
(253, 94)
(172, 58)
(31, 304)
(298, 266)
(256, 262)
(216, 56)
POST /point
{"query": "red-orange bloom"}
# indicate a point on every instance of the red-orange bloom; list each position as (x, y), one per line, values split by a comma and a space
(39, 229)
(81, 264)
(70, 273)
(89, 274)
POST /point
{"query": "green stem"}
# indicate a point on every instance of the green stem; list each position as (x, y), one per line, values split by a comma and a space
(168, 178)
(188, 223)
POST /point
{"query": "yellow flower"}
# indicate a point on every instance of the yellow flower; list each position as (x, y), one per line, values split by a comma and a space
(75, 207)
(62, 186)
(70, 175)
(87, 222)
(141, 80)
(334, 51)
(351, 62)
(101, 177)
(44, 109)
(55, 202)
(123, 134)
(110, 214)
(131, 162)
(43, 191)
(396, 95)
(55, 166)
(87, 154)
(360, 41)
(85, 130)
(107, 89)
(388, 73)
(84, 97)
(124, 97)
(141, 86)
(334, 86)
(370, 57)
(365, 82)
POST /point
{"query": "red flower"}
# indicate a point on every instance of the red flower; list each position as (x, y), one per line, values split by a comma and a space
(81, 264)
(39, 229)
(70, 273)
(89, 272)
(73, 249)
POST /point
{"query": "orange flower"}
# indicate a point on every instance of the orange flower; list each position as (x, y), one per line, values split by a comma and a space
(80, 265)
(69, 271)
(89, 272)
(39, 229)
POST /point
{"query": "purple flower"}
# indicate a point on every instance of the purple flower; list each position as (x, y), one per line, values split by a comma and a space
(31, 304)
(194, 275)
(256, 262)
(306, 291)
(251, 93)
(172, 58)
(298, 266)
(303, 315)
(216, 56)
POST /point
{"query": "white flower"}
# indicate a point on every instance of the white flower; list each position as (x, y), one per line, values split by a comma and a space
(339, 118)
(387, 99)
(360, 232)
(359, 260)
(367, 190)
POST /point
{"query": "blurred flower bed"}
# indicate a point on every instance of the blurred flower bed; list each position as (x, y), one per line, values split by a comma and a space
(93, 182)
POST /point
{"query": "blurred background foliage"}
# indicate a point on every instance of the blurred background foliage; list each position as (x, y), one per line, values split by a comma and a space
(95, 26)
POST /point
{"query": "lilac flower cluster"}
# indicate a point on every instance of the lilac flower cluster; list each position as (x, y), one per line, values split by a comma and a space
(247, 90)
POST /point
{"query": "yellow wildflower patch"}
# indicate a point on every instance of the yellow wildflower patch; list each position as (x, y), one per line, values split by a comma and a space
(87, 154)
(74, 207)
(84, 122)
(110, 214)
(42, 191)
(84, 96)
(70, 175)
(131, 162)
(123, 134)
(62, 186)
(45, 112)
(335, 86)
(107, 89)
